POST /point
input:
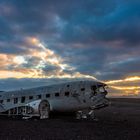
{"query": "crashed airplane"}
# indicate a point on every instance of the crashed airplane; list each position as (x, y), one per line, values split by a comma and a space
(82, 97)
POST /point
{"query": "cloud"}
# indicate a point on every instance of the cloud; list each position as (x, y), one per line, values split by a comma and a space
(122, 68)
(71, 21)
(39, 62)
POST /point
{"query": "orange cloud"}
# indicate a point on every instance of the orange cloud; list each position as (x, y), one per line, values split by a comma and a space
(48, 56)
(127, 86)
(6, 60)
(9, 74)
(134, 78)
(15, 65)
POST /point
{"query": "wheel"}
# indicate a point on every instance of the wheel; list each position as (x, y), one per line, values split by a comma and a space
(44, 109)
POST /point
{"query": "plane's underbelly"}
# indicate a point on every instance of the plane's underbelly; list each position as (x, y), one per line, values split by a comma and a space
(66, 104)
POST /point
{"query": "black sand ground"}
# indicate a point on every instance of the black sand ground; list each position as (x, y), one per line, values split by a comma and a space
(120, 121)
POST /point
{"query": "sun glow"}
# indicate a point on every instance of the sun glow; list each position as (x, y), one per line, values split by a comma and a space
(34, 63)
(8, 74)
(50, 57)
(135, 78)
(19, 60)
(127, 86)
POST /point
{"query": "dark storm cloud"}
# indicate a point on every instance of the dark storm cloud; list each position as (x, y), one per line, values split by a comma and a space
(51, 69)
(120, 24)
(89, 59)
(103, 61)
(87, 21)
(120, 69)
(13, 47)
(128, 66)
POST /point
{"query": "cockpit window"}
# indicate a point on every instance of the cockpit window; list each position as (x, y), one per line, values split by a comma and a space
(101, 89)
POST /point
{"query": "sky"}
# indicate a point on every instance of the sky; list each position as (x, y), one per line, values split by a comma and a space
(51, 41)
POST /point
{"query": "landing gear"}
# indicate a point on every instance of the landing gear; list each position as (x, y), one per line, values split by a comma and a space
(44, 109)
(85, 114)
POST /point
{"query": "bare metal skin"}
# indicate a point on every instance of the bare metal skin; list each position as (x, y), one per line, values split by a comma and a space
(82, 97)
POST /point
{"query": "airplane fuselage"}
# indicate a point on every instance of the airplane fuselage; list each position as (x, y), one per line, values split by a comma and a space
(65, 97)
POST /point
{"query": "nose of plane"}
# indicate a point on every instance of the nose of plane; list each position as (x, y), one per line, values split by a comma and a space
(103, 102)
(106, 101)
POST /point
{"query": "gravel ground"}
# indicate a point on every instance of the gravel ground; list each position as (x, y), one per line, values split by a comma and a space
(119, 121)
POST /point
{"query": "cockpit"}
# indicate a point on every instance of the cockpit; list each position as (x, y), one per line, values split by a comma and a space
(101, 88)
